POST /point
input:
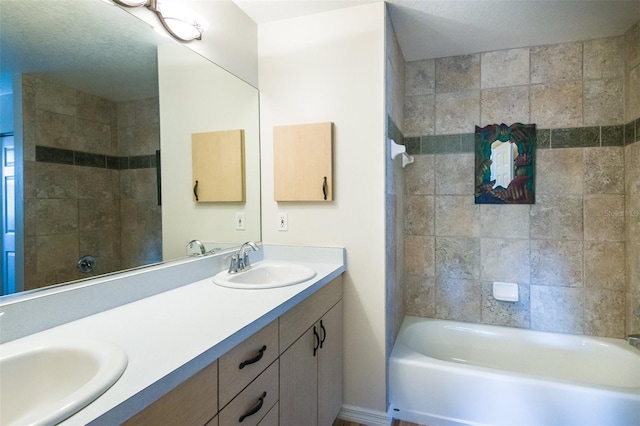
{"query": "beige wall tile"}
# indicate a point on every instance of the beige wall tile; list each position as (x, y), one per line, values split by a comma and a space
(556, 63)
(57, 253)
(419, 259)
(557, 105)
(457, 112)
(98, 183)
(56, 98)
(632, 171)
(55, 181)
(419, 215)
(506, 260)
(557, 170)
(420, 77)
(603, 102)
(98, 214)
(458, 257)
(604, 265)
(632, 94)
(604, 313)
(499, 221)
(419, 115)
(557, 218)
(94, 108)
(633, 313)
(30, 176)
(104, 245)
(420, 178)
(457, 216)
(56, 216)
(557, 263)
(632, 218)
(30, 219)
(604, 58)
(458, 299)
(632, 41)
(504, 105)
(457, 73)
(454, 174)
(604, 218)
(557, 309)
(505, 68)
(419, 296)
(93, 137)
(507, 314)
(604, 170)
(56, 130)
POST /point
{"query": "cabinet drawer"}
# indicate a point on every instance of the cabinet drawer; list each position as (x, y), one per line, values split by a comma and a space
(193, 402)
(258, 397)
(233, 378)
(302, 316)
(272, 418)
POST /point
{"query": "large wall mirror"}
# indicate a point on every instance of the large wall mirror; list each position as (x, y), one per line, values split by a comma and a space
(99, 143)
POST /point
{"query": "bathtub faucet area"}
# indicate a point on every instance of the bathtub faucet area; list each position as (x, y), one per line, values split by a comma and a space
(634, 340)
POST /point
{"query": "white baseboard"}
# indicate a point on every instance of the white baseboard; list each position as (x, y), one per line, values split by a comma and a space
(364, 416)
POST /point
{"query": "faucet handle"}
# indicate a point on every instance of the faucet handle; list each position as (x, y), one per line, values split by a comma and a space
(233, 265)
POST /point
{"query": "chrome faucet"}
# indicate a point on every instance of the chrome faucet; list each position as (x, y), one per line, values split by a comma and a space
(634, 340)
(240, 260)
(199, 244)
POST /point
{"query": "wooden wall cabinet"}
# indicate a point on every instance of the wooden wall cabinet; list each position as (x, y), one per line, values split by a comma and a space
(218, 166)
(302, 162)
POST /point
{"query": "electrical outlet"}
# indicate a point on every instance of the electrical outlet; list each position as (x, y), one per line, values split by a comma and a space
(283, 222)
(240, 221)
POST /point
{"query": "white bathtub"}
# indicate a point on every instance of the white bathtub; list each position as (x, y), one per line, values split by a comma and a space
(453, 373)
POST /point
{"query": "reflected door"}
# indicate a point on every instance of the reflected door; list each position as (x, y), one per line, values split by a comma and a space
(502, 166)
(8, 216)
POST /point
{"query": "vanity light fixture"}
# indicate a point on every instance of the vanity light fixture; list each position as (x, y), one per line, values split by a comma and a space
(180, 24)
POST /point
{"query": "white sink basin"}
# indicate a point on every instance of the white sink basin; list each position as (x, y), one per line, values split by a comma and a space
(45, 382)
(266, 275)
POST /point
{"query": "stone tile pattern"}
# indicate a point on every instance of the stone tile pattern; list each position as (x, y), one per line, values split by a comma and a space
(575, 254)
(95, 208)
(394, 189)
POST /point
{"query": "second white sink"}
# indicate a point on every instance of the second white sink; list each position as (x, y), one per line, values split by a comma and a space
(44, 382)
(266, 275)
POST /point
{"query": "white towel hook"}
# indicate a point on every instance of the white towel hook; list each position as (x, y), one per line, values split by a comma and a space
(397, 149)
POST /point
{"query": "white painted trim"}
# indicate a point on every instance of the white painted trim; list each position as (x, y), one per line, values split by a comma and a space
(364, 416)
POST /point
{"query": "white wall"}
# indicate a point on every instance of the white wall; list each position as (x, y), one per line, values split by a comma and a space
(230, 41)
(197, 96)
(6, 113)
(330, 67)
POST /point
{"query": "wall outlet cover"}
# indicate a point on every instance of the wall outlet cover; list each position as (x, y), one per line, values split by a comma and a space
(240, 221)
(283, 222)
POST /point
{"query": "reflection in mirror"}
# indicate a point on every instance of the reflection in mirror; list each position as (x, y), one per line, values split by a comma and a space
(87, 131)
(505, 164)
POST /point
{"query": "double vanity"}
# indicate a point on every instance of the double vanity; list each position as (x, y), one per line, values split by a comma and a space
(217, 350)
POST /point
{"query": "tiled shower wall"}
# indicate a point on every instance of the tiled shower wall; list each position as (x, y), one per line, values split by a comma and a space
(78, 185)
(566, 252)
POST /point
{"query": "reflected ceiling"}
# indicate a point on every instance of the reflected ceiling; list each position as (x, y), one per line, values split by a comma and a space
(26, 44)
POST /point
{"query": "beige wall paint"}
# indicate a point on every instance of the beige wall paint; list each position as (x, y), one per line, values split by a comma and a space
(330, 67)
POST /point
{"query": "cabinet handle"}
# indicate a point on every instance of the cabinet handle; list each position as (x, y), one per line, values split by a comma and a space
(195, 190)
(254, 359)
(324, 333)
(325, 188)
(317, 344)
(254, 409)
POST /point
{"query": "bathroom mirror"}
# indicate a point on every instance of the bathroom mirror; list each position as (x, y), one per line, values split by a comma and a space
(96, 147)
(505, 164)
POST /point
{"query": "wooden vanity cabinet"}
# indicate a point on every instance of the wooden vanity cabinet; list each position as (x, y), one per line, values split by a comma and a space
(311, 367)
(291, 374)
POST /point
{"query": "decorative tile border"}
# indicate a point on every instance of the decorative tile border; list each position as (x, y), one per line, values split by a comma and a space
(576, 137)
(45, 154)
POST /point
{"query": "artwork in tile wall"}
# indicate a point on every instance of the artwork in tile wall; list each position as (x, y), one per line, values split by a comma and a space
(505, 164)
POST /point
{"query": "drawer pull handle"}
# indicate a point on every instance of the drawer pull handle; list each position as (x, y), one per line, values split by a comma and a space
(325, 188)
(254, 359)
(317, 344)
(195, 191)
(324, 334)
(254, 409)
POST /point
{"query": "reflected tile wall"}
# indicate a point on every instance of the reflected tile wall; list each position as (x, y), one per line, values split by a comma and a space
(72, 182)
(575, 254)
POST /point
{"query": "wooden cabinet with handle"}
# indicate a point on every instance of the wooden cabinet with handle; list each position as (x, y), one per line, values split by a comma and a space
(302, 162)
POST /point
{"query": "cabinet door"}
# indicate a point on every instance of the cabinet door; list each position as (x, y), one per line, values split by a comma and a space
(302, 162)
(299, 383)
(330, 366)
(218, 166)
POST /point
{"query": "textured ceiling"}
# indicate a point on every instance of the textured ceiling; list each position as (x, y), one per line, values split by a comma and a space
(429, 29)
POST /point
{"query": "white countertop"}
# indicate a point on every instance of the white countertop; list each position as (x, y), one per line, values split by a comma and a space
(170, 336)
